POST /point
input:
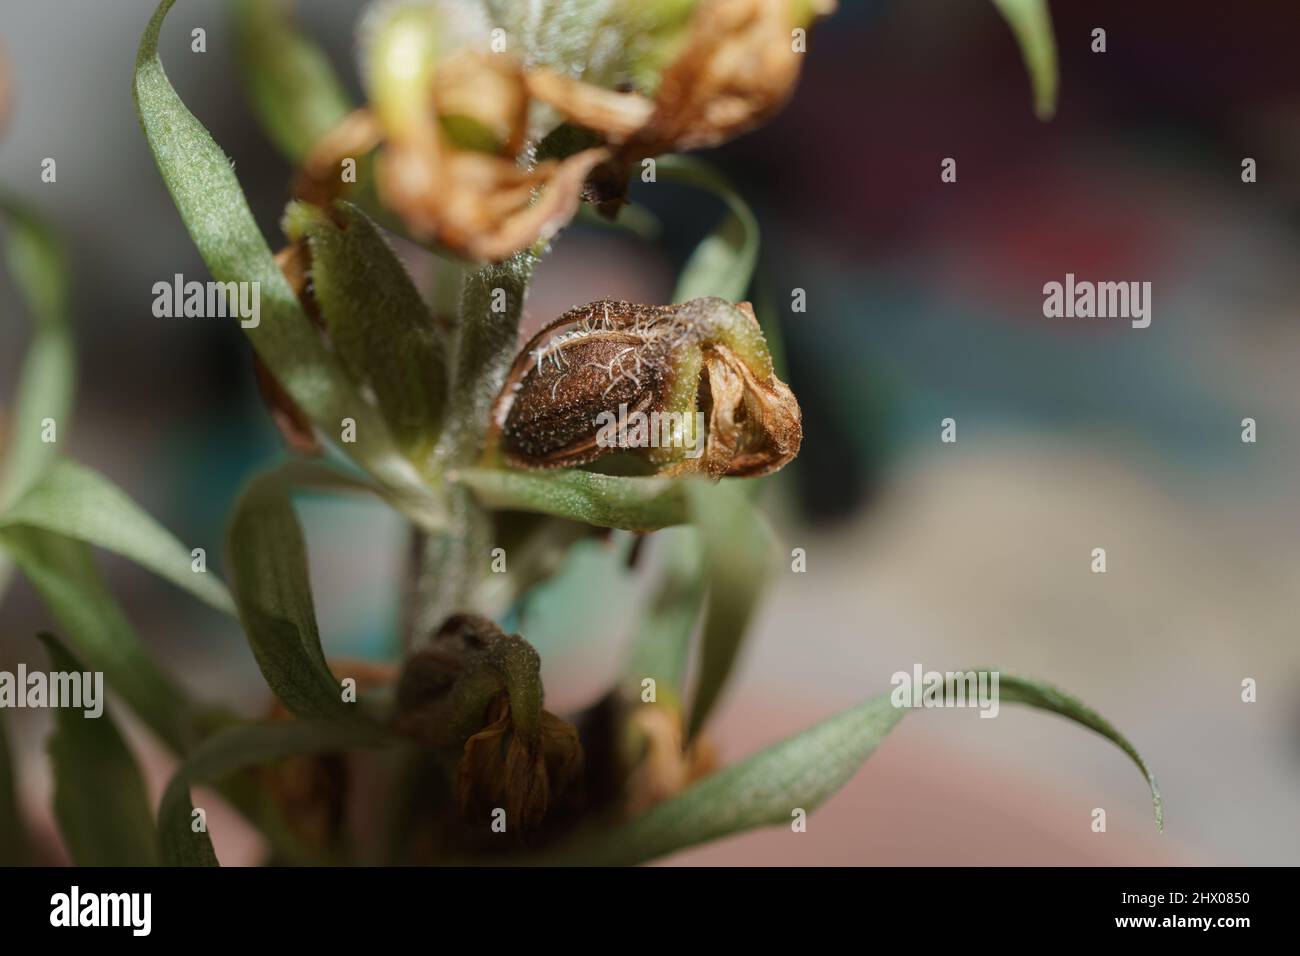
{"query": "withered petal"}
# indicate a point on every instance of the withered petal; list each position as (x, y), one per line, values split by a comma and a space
(614, 115)
(320, 181)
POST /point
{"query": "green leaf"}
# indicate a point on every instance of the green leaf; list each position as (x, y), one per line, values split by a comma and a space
(632, 504)
(99, 796)
(377, 321)
(230, 750)
(737, 559)
(64, 574)
(801, 772)
(1031, 22)
(268, 559)
(13, 835)
(1035, 693)
(77, 502)
(45, 385)
(661, 645)
(762, 790)
(212, 205)
(294, 89)
(487, 342)
(723, 263)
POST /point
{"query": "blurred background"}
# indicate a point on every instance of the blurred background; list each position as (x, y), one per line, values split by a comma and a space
(924, 302)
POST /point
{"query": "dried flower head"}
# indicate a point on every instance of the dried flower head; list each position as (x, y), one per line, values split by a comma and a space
(717, 69)
(450, 118)
(475, 694)
(689, 387)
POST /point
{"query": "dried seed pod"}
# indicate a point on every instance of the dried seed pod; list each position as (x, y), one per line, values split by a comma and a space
(689, 387)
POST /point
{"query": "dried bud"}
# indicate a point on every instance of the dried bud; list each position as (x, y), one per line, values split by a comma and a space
(703, 73)
(689, 387)
(475, 694)
(450, 118)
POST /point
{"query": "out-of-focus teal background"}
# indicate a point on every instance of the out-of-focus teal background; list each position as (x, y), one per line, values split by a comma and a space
(924, 302)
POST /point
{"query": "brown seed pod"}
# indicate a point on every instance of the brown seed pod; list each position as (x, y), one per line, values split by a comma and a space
(689, 387)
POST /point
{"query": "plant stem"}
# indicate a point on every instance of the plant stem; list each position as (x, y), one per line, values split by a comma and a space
(454, 560)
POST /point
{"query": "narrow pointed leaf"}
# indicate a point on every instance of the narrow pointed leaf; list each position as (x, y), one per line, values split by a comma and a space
(723, 263)
(662, 642)
(377, 321)
(212, 205)
(77, 502)
(294, 89)
(63, 572)
(1031, 22)
(1035, 693)
(737, 560)
(272, 588)
(233, 749)
(45, 384)
(632, 504)
(761, 791)
(801, 772)
(100, 799)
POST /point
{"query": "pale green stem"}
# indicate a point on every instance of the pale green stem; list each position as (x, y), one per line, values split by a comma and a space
(454, 560)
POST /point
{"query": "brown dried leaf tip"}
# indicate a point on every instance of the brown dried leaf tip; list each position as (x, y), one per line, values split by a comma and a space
(474, 693)
(689, 388)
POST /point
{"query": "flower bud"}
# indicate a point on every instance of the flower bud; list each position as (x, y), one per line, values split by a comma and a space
(688, 387)
(475, 694)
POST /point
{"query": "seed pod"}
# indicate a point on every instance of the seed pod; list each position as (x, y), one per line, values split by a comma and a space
(689, 387)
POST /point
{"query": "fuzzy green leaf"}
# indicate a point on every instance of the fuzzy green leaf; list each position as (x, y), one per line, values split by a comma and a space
(1021, 690)
(268, 559)
(487, 341)
(77, 502)
(1031, 22)
(63, 572)
(377, 321)
(45, 385)
(737, 559)
(13, 834)
(212, 205)
(762, 790)
(632, 504)
(295, 91)
(802, 772)
(233, 749)
(723, 263)
(661, 645)
(100, 799)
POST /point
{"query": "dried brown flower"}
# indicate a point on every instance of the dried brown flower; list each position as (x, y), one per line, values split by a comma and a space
(474, 693)
(737, 65)
(451, 133)
(689, 387)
